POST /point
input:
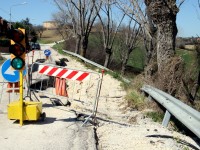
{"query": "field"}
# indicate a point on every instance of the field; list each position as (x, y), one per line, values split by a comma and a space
(190, 59)
(50, 36)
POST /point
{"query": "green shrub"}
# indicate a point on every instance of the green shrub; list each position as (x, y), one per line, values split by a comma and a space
(135, 100)
(155, 116)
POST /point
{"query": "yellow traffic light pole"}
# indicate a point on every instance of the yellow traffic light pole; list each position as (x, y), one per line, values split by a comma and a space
(21, 110)
(21, 102)
(21, 97)
(18, 37)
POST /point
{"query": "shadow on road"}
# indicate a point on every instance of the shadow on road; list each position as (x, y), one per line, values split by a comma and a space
(47, 120)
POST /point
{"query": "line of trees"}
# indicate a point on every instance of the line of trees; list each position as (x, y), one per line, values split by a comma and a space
(152, 21)
(83, 14)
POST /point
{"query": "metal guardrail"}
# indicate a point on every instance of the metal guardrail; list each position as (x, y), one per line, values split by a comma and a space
(184, 113)
(86, 60)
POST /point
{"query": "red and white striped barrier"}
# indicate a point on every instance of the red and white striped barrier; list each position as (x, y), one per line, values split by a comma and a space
(63, 73)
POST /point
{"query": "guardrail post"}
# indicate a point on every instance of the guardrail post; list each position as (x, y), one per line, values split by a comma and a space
(150, 98)
(143, 93)
(166, 118)
(184, 113)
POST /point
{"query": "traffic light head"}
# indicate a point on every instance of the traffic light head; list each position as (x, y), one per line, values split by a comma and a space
(17, 35)
(17, 48)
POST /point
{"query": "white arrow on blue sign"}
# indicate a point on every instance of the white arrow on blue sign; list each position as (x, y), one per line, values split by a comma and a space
(8, 73)
(47, 52)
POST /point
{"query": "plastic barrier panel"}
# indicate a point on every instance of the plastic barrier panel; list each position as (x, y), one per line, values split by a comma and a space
(63, 85)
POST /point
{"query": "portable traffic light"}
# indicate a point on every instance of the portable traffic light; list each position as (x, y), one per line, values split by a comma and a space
(17, 48)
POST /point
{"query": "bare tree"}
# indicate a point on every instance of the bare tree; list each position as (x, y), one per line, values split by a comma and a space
(129, 41)
(135, 9)
(82, 14)
(63, 25)
(109, 28)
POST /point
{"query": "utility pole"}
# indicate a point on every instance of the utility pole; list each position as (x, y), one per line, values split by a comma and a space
(13, 6)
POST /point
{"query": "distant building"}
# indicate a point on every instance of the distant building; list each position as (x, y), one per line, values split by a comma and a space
(50, 25)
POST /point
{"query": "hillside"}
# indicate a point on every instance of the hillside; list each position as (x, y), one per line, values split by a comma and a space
(50, 36)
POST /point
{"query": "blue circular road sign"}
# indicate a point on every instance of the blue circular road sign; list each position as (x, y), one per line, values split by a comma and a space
(8, 73)
(47, 52)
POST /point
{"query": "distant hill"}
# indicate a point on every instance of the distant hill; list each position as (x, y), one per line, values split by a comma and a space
(50, 36)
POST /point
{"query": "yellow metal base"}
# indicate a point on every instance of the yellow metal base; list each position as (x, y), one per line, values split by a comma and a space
(31, 110)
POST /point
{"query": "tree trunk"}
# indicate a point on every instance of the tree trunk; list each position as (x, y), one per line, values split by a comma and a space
(108, 56)
(163, 14)
(151, 41)
(125, 61)
(78, 43)
(84, 45)
(170, 68)
(166, 35)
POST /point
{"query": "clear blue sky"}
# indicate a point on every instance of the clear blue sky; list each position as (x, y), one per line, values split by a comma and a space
(188, 19)
(38, 11)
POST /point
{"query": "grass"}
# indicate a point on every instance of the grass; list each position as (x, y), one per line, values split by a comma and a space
(188, 57)
(134, 97)
(135, 100)
(155, 116)
(115, 75)
(137, 58)
(59, 47)
(49, 36)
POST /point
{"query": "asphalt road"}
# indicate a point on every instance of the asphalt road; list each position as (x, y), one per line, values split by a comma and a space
(60, 129)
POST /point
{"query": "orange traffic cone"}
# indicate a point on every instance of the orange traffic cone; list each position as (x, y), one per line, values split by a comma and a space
(13, 85)
(60, 86)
